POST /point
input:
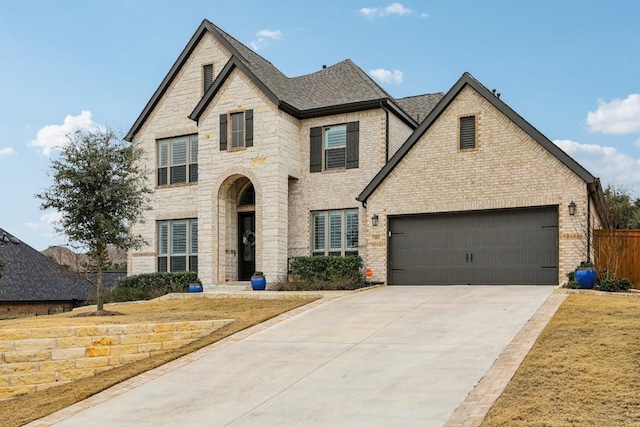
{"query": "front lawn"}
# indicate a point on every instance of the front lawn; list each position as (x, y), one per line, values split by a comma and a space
(584, 370)
(246, 312)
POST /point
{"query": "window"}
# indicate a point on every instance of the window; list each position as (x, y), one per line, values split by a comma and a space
(237, 130)
(334, 232)
(467, 132)
(178, 245)
(334, 147)
(207, 76)
(239, 126)
(178, 160)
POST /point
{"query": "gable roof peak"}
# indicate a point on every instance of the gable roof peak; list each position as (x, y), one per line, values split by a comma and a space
(468, 80)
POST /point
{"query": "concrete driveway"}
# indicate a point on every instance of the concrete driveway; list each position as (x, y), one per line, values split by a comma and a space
(389, 356)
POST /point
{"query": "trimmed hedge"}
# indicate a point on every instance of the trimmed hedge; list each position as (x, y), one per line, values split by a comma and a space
(323, 273)
(151, 285)
(615, 285)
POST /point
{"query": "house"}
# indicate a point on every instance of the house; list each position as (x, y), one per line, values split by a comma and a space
(252, 167)
(33, 283)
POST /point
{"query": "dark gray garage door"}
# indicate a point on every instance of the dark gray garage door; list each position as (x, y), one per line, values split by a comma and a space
(507, 247)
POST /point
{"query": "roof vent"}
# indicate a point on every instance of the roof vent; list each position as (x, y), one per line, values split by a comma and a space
(324, 66)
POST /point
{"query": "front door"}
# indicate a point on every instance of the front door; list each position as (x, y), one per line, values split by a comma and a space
(246, 245)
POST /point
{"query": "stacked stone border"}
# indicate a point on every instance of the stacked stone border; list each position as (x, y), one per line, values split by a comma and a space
(33, 359)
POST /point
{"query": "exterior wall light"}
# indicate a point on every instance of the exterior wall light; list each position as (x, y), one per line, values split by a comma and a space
(374, 220)
(572, 208)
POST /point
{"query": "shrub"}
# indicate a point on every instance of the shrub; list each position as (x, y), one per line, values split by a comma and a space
(323, 273)
(152, 285)
(615, 285)
(572, 284)
(624, 284)
(609, 285)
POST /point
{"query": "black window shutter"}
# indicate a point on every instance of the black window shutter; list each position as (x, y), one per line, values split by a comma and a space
(467, 132)
(223, 132)
(353, 145)
(248, 128)
(315, 159)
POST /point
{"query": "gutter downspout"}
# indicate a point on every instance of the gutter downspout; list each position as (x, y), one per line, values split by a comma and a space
(589, 193)
(386, 132)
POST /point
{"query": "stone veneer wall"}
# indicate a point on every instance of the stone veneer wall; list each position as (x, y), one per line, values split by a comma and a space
(38, 358)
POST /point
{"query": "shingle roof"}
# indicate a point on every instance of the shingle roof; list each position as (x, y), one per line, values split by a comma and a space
(31, 276)
(420, 106)
(342, 87)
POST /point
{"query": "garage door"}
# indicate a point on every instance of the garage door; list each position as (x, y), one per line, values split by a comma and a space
(507, 247)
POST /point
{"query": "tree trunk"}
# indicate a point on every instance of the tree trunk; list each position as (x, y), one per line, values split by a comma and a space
(101, 255)
(99, 288)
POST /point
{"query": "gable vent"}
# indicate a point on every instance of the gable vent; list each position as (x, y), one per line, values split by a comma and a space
(207, 76)
(467, 132)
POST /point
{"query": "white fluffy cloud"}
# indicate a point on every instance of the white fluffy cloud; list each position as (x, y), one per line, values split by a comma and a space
(387, 76)
(397, 9)
(47, 221)
(607, 163)
(620, 116)
(7, 151)
(52, 137)
(264, 38)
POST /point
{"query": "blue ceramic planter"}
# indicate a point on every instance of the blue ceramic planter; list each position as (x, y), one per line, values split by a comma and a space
(258, 283)
(195, 287)
(586, 277)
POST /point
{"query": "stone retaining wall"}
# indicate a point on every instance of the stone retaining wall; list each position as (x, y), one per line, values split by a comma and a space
(38, 358)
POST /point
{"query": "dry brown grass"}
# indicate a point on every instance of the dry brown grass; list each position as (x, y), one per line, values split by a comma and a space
(246, 312)
(584, 370)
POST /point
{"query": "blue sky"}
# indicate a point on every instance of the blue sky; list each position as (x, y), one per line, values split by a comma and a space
(569, 68)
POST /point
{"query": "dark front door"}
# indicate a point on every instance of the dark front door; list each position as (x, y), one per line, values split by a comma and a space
(246, 245)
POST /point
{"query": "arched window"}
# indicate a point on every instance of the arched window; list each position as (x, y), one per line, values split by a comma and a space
(248, 197)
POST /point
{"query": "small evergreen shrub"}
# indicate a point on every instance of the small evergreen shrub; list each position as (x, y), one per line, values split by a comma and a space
(572, 284)
(323, 273)
(624, 284)
(615, 285)
(152, 285)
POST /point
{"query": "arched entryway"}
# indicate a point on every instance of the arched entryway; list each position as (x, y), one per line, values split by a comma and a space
(238, 238)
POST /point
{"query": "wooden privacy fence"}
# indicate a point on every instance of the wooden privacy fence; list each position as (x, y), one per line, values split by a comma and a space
(618, 251)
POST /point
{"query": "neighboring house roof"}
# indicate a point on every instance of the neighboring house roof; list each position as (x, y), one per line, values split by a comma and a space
(340, 88)
(468, 80)
(420, 106)
(32, 276)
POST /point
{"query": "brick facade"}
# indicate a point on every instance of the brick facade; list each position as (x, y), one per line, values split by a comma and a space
(507, 169)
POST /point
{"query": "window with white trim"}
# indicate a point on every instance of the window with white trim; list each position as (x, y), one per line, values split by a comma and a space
(177, 160)
(178, 245)
(335, 147)
(334, 232)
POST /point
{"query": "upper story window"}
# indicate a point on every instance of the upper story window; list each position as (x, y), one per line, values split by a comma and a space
(207, 77)
(334, 232)
(237, 130)
(178, 245)
(237, 126)
(467, 132)
(177, 160)
(334, 147)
